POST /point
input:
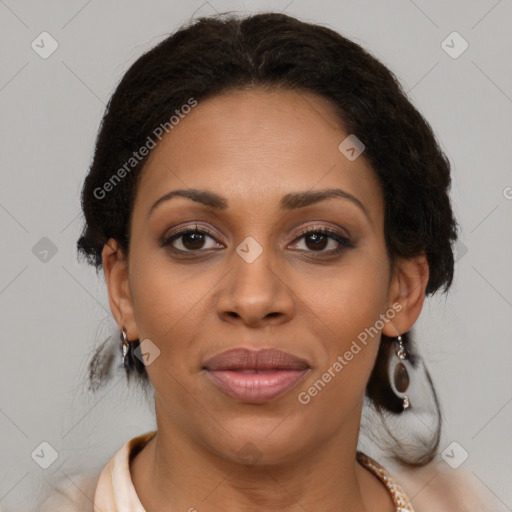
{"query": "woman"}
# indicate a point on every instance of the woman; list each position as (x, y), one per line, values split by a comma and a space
(270, 212)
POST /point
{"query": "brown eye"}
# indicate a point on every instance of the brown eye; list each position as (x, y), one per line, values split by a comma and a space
(193, 240)
(189, 240)
(318, 239)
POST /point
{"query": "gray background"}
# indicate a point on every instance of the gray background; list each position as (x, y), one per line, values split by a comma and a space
(55, 310)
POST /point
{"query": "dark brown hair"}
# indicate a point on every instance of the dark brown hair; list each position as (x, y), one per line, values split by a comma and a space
(215, 54)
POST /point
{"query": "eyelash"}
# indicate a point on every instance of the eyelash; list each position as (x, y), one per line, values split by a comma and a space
(343, 242)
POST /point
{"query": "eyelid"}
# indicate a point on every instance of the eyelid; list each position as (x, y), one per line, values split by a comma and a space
(325, 228)
(180, 231)
(196, 227)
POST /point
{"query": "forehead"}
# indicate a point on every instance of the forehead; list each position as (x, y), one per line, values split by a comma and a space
(255, 146)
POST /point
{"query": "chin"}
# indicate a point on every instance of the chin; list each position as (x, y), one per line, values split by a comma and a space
(259, 440)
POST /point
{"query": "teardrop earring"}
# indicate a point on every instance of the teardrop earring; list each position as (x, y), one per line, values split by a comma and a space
(401, 413)
(125, 348)
(398, 372)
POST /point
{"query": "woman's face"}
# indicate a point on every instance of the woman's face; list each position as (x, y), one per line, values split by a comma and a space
(249, 279)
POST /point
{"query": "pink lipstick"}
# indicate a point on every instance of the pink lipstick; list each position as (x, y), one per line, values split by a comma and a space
(255, 376)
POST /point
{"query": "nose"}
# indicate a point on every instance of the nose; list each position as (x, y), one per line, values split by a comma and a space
(256, 294)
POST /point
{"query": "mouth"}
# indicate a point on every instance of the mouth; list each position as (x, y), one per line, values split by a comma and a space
(255, 376)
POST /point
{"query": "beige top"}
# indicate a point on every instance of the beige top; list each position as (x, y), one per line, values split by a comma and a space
(115, 491)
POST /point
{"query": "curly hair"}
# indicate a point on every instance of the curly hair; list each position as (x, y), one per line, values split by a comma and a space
(275, 51)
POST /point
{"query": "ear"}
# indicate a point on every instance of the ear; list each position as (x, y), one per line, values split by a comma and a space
(407, 288)
(115, 268)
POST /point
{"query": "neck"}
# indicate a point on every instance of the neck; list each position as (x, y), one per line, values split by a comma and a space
(172, 472)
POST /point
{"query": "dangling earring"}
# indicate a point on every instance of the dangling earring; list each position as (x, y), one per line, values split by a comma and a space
(125, 347)
(402, 383)
(398, 374)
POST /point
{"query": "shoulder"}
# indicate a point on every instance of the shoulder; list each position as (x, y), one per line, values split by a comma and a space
(438, 487)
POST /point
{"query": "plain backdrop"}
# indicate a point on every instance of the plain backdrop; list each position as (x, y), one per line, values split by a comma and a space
(54, 310)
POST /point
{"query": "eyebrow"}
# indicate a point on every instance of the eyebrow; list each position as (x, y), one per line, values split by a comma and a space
(290, 201)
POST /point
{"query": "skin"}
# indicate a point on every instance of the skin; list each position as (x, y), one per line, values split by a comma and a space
(253, 147)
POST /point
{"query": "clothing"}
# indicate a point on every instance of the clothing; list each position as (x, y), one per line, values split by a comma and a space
(115, 491)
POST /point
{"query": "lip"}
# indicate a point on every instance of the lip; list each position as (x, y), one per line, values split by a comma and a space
(255, 376)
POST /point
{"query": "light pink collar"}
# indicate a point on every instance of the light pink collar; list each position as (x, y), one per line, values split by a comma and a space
(115, 491)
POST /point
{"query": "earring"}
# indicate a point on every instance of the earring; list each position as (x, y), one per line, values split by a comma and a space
(125, 348)
(398, 374)
(402, 383)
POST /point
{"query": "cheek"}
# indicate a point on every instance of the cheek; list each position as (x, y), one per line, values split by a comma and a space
(353, 299)
(170, 306)
(349, 312)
